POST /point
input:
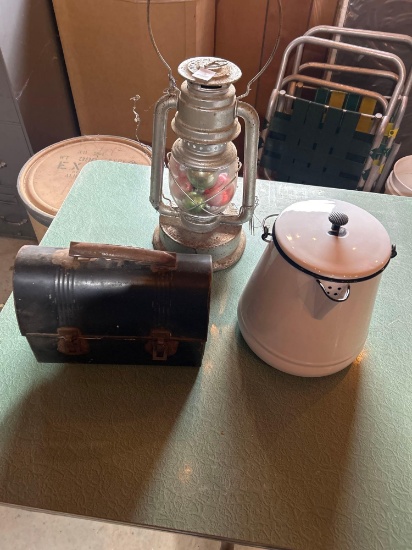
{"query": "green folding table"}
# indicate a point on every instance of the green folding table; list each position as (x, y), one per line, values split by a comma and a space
(236, 449)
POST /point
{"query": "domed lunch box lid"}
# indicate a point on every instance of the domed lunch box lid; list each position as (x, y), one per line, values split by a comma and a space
(332, 240)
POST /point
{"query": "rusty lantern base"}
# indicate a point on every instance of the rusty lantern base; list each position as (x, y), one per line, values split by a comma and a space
(225, 244)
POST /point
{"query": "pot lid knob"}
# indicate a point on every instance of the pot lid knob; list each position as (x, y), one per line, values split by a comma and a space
(337, 219)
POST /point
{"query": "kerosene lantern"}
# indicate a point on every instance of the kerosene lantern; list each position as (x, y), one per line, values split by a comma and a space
(203, 163)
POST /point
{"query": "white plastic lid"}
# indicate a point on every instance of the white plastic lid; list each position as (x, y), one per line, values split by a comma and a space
(304, 233)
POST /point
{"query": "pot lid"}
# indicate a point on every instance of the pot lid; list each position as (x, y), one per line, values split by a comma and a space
(333, 239)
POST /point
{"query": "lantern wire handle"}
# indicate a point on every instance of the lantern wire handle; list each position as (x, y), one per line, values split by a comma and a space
(172, 81)
(269, 61)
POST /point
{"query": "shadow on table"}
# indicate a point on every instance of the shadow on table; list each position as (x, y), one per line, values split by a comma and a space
(303, 432)
(87, 441)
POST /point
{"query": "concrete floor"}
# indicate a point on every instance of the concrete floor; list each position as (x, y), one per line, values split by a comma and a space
(29, 530)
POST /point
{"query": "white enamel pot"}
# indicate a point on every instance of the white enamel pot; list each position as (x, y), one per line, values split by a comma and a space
(307, 307)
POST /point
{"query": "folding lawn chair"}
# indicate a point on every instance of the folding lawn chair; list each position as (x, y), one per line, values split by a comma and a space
(377, 38)
(321, 132)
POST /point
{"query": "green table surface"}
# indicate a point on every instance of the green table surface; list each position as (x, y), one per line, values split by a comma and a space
(234, 449)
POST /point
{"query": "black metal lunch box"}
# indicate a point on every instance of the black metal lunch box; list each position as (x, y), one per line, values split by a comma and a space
(95, 303)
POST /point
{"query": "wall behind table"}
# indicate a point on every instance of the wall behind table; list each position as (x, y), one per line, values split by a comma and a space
(110, 58)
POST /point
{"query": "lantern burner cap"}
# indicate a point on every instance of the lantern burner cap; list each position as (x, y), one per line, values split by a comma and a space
(209, 71)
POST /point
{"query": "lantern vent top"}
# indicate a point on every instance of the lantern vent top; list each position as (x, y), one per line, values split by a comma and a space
(209, 71)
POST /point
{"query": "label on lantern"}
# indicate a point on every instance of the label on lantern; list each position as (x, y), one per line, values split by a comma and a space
(204, 74)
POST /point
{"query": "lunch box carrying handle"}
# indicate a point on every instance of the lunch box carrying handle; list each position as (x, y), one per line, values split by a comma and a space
(117, 252)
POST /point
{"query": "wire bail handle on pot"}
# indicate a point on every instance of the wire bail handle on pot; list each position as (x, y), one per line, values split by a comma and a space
(266, 231)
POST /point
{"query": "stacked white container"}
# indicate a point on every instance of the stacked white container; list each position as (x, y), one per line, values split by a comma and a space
(399, 181)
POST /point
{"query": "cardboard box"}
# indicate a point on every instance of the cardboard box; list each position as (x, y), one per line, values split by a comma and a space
(110, 58)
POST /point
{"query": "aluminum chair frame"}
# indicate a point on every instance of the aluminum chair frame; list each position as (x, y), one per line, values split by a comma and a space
(299, 43)
(377, 36)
